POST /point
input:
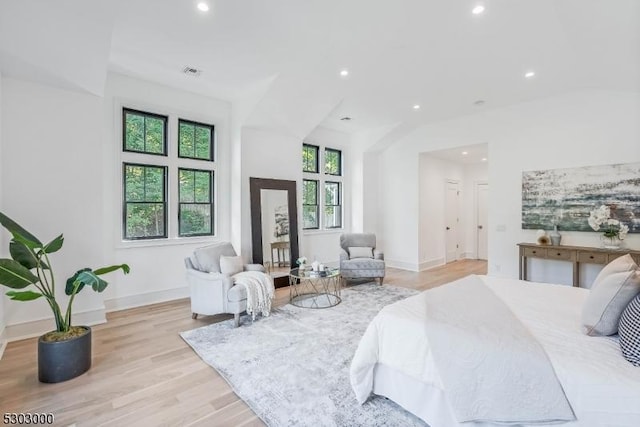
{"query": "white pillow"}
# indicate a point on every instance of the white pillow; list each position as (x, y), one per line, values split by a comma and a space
(614, 288)
(360, 252)
(231, 265)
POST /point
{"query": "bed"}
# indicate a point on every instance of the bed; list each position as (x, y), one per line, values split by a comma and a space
(394, 358)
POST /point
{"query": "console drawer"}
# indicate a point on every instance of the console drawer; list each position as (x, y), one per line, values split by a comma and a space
(535, 252)
(592, 257)
(562, 254)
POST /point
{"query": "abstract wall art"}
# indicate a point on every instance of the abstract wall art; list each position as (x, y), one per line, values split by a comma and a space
(566, 196)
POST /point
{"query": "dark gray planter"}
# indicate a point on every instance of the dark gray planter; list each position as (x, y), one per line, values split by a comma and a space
(61, 361)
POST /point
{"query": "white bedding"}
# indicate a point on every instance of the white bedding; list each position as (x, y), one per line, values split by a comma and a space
(602, 387)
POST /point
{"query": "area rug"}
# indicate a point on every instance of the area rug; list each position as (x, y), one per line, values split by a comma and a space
(292, 368)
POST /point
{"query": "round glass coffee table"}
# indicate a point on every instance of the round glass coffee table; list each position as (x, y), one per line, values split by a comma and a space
(314, 289)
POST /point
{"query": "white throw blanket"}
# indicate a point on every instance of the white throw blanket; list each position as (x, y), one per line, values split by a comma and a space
(260, 291)
(491, 366)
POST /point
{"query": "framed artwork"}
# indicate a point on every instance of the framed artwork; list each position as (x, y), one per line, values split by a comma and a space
(566, 196)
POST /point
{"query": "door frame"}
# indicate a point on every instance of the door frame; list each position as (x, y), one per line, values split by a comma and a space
(448, 181)
(476, 210)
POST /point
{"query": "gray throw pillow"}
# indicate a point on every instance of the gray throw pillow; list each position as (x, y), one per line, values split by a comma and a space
(614, 288)
(208, 257)
(629, 330)
(231, 265)
(360, 252)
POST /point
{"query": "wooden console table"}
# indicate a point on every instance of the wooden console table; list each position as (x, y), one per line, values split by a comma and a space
(573, 254)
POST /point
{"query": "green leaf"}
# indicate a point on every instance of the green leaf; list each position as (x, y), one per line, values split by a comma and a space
(22, 254)
(90, 278)
(19, 233)
(54, 245)
(24, 295)
(104, 270)
(14, 275)
(68, 289)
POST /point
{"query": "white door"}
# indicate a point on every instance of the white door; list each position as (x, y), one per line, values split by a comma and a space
(451, 221)
(482, 198)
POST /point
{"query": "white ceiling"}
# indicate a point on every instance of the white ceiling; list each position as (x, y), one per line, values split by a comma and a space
(429, 52)
(474, 154)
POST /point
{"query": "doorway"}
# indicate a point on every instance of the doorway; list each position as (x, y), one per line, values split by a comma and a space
(482, 203)
(452, 219)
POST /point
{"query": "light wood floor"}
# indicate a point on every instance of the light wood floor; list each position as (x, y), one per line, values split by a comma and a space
(144, 374)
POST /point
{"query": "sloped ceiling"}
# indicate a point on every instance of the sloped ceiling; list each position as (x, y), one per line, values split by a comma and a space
(434, 53)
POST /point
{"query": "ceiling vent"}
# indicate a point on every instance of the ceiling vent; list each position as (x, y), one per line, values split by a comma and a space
(345, 118)
(190, 71)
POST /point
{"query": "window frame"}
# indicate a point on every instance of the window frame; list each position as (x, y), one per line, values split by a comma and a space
(211, 203)
(317, 149)
(317, 205)
(324, 158)
(212, 135)
(164, 201)
(165, 145)
(340, 204)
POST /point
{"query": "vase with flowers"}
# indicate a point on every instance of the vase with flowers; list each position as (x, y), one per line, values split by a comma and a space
(302, 263)
(613, 230)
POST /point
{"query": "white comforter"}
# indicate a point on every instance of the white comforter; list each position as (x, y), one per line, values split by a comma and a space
(602, 387)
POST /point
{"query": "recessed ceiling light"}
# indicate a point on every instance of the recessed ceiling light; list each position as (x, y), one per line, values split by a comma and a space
(478, 9)
(344, 73)
(530, 74)
(203, 7)
(484, 159)
(479, 103)
(416, 107)
(464, 153)
(345, 118)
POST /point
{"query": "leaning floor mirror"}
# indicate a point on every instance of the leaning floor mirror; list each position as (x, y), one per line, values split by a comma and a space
(274, 226)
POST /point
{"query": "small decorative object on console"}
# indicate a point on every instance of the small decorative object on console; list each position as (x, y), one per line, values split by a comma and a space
(613, 230)
(543, 239)
(555, 236)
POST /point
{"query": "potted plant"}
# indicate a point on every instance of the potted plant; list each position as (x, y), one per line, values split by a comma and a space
(65, 352)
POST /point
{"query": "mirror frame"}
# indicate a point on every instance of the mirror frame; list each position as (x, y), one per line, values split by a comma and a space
(255, 187)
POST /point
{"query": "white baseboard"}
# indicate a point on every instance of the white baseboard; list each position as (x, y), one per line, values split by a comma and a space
(3, 341)
(468, 255)
(402, 265)
(139, 300)
(432, 263)
(35, 328)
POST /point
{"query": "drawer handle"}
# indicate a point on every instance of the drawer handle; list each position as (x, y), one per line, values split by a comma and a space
(535, 252)
(591, 257)
(559, 254)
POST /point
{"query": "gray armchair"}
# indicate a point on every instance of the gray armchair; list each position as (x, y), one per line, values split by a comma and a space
(211, 291)
(359, 258)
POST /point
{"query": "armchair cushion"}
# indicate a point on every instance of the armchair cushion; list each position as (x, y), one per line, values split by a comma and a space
(208, 257)
(231, 265)
(360, 252)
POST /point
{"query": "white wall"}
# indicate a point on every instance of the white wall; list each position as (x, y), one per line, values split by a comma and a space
(51, 184)
(3, 241)
(157, 268)
(576, 129)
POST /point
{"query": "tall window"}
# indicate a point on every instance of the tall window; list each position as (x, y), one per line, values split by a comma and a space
(195, 211)
(310, 208)
(321, 187)
(145, 201)
(154, 172)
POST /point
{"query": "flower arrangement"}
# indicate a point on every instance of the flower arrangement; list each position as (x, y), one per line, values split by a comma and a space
(302, 261)
(600, 220)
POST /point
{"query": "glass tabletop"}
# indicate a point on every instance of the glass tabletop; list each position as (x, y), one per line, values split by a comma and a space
(308, 273)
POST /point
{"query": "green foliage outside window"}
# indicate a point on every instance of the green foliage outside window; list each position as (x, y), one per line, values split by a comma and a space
(145, 201)
(195, 140)
(332, 205)
(310, 158)
(195, 192)
(144, 132)
(310, 209)
(332, 162)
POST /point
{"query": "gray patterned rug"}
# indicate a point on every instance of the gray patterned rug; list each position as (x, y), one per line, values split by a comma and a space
(292, 368)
